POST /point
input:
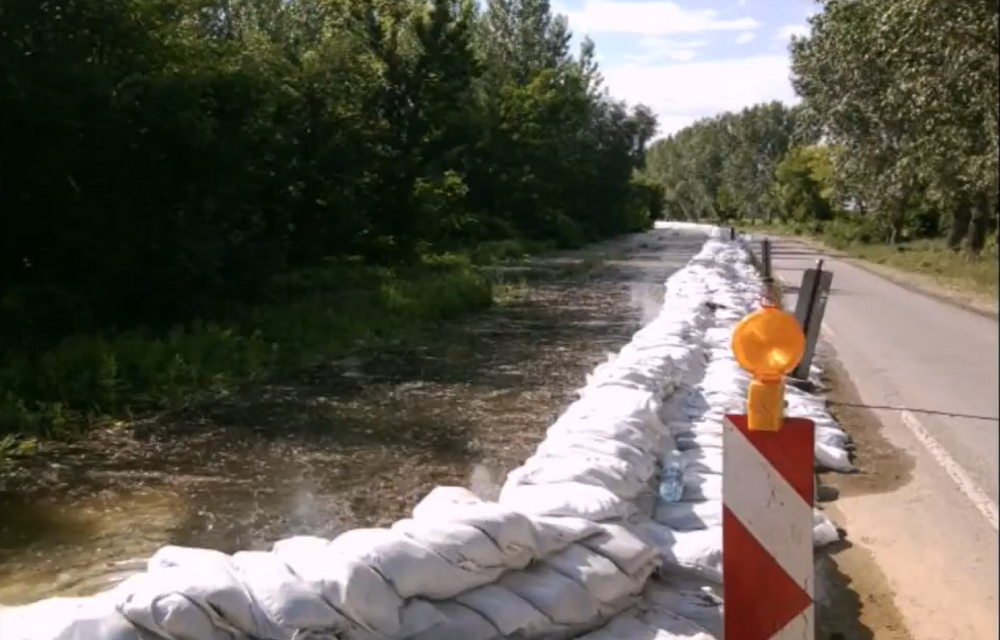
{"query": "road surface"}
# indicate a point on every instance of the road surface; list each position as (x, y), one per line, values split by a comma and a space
(928, 370)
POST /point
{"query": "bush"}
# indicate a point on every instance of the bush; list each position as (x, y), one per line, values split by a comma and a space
(312, 314)
(844, 232)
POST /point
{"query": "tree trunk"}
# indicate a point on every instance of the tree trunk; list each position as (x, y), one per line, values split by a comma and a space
(979, 226)
(959, 225)
(896, 222)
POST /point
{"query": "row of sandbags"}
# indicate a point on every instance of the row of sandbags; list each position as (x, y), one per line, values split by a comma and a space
(569, 546)
(684, 599)
(554, 557)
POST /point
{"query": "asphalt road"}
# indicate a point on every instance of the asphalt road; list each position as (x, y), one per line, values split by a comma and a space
(929, 371)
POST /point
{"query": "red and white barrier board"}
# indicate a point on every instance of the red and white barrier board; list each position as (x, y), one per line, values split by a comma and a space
(767, 519)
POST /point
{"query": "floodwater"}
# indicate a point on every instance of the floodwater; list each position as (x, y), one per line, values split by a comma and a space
(355, 442)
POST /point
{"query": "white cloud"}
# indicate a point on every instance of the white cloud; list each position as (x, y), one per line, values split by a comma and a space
(745, 37)
(648, 18)
(786, 32)
(655, 49)
(682, 93)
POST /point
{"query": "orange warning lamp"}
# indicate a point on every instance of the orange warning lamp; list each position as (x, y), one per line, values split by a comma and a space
(768, 344)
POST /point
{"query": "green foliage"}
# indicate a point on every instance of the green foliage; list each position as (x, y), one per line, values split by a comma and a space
(168, 159)
(310, 315)
(895, 138)
(803, 185)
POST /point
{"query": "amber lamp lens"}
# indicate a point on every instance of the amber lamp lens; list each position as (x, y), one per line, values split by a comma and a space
(768, 343)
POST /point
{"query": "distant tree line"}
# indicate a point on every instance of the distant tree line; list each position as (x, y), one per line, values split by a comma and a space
(162, 158)
(895, 136)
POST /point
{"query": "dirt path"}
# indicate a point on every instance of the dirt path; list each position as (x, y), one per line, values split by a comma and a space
(352, 443)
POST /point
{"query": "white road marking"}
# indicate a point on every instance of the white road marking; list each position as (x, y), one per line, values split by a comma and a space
(977, 496)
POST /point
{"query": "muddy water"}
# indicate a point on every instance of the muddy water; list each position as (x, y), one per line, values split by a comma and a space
(356, 442)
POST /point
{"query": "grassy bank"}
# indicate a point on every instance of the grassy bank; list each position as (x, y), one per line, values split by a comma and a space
(302, 318)
(979, 276)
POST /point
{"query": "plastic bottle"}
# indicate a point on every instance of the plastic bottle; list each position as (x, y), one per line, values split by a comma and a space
(672, 477)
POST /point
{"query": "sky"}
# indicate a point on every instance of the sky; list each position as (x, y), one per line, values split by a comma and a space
(689, 59)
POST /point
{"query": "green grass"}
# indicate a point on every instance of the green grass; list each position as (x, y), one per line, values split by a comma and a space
(931, 257)
(304, 317)
(959, 270)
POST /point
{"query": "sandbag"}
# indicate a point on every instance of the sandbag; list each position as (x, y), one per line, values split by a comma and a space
(507, 611)
(689, 516)
(699, 487)
(458, 622)
(703, 461)
(559, 598)
(410, 567)
(562, 444)
(631, 554)
(690, 600)
(349, 584)
(590, 469)
(597, 574)
(687, 553)
(567, 499)
(96, 617)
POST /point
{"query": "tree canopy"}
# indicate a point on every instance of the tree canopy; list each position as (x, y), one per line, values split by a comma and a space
(896, 131)
(163, 157)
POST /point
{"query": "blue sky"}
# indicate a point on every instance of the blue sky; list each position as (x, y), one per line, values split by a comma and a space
(689, 59)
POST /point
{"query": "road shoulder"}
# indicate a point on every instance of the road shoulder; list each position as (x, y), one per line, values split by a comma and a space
(916, 282)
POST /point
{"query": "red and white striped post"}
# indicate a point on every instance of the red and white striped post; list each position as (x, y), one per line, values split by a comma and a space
(767, 518)
(767, 491)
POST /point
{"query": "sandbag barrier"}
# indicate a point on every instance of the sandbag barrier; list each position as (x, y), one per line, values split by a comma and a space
(577, 541)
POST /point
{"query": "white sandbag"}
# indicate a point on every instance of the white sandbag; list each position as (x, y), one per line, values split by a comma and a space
(699, 487)
(833, 459)
(591, 469)
(597, 574)
(555, 533)
(671, 626)
(705, 425)
(460, 543)
(642, 462)
(68, 619)
(283, 597)
(649, 625)
(689, 516)
(631, 554)
(507, 611)
(410, 567)
(703, 461)
(691, 600)
(563, 601)
(625, 627)
(458, 622)
(353, 587)
(567, 499)
(824, 531)
(832, 437)
(511, 530)
(174, 603)
(691, 440)
(201, 593)
(687, 553)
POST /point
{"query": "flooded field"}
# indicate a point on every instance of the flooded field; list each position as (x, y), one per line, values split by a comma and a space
(356, 442)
